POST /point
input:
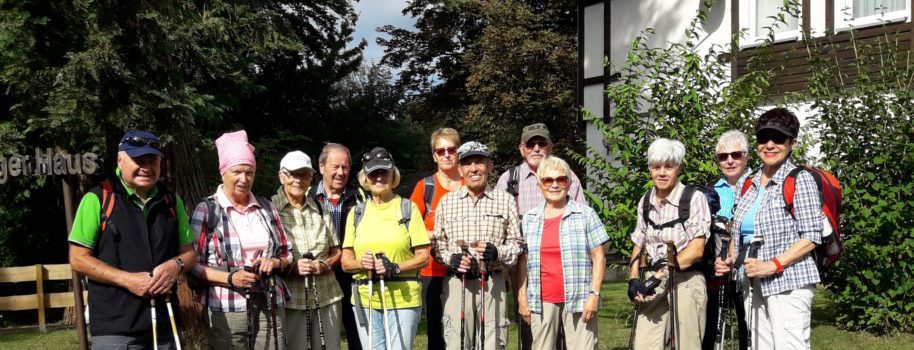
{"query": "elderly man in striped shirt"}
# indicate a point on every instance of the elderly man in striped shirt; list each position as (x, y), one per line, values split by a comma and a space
(486, 222)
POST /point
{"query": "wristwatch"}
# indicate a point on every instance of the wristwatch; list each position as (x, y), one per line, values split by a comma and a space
(180, 264)
(593, 292)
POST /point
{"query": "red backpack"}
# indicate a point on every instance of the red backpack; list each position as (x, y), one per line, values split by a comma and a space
(832, 247)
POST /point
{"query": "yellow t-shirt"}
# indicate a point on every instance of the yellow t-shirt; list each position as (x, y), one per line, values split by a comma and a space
(380, 231)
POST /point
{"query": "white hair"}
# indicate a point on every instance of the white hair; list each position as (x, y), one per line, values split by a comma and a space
(552, 163)
(663, 150)
(733, 138)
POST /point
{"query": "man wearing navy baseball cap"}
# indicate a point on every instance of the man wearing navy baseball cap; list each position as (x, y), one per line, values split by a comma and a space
(132, 239)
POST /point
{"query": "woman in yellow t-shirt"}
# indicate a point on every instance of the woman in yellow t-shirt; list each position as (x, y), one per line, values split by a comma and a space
(380, 242)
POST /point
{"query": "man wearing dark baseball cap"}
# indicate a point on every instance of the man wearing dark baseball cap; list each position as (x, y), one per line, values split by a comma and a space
(132, 239)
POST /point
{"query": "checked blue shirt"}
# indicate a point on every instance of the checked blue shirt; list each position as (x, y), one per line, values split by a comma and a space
(776, 226)
(579, 232)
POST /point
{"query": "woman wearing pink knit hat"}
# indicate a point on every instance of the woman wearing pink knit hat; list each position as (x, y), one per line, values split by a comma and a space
(242, 251)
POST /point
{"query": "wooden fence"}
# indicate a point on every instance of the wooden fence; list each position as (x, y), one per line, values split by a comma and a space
(40, 300)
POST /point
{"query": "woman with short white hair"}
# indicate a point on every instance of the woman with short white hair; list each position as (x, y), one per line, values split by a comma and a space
(560, 284)
(659, 227)
(732, 155)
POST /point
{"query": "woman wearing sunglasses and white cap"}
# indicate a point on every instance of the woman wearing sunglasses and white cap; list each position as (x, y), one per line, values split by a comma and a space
(385, 242)
(565, 243)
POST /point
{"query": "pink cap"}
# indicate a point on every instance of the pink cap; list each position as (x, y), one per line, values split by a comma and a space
(234, 149)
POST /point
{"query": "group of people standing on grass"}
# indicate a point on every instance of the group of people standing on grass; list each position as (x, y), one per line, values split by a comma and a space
(322, 255)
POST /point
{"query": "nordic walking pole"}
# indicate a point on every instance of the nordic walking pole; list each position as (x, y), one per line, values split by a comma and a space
(752, 252)
(641, 259)
(309, 256)
(272, 306)
(482, 317)
(320, 323)
(252, 337)
(722, 308)
(171, 317)
(672, 266)
(370, 311)
(155, 336)
(387, 340)
(463, 298)
(310, 282)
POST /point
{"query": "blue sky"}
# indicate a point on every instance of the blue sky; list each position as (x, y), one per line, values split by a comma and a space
(373, 14)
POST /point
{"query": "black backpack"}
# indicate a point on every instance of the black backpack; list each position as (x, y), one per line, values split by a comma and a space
(713, 244)
(513, 181)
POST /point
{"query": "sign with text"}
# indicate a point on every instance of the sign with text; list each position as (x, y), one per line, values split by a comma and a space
(46, 162)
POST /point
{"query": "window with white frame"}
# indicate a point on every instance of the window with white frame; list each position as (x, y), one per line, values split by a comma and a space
(865, 13)
(759, 18)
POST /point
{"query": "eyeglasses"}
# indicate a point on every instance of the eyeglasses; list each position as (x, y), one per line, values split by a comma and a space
(441, 152)
(533, 143)
(138, 141)
(298, 175)
(775, 136)
(369, 156)
(562, 181)
(722, 157)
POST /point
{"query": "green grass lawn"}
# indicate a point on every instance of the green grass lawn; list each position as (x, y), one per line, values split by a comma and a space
(613, 330)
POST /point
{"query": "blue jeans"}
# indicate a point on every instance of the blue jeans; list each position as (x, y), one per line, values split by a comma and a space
(403, 323)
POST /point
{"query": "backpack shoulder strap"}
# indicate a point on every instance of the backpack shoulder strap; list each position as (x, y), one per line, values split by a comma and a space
(746, 186)
(429, 193)
(107, 204)
(406, 210)
(790, 186)
(513, 181)
(646, 208)
(357, 213)
(685, 203)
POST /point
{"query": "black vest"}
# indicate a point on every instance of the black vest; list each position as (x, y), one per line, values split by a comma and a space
(134, 244)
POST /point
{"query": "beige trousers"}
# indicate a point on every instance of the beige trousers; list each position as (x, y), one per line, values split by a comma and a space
(496, 325)
(578, 334)
(691, 302)
(229, 330)
(296, 326)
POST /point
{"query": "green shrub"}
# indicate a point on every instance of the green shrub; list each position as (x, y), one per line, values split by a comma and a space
(865, 131)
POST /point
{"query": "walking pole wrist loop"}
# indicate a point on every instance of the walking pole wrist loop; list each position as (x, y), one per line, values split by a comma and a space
(778, 265)
(229, 279)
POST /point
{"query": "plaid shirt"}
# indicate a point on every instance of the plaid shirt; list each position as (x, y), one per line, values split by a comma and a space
(309, 232)
(224, 299)
(529, 195)
(579, 232)
(491, 218)
(653, 241)
(776, 226)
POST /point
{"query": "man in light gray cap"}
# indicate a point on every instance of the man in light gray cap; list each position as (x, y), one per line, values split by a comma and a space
(315, 306)
(477, 235)
(520, 181)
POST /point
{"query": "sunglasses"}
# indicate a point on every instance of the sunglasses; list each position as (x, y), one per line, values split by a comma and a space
(722, 157)
(441, 152)
(562, 181)
(298, 175)
(137, 141)
(369, 156)
(533, 143)
(777, 137)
